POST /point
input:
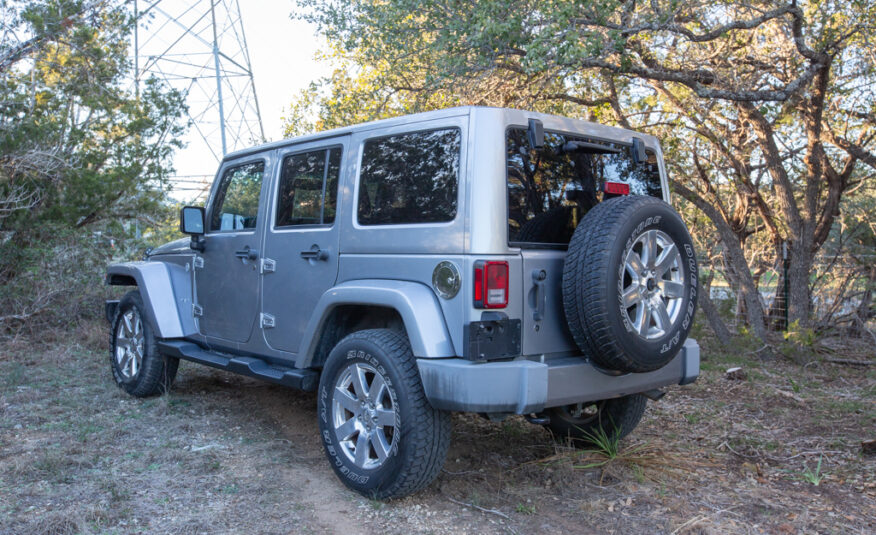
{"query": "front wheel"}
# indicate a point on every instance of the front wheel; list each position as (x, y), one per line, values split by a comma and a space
(381, 435)
(138, 368)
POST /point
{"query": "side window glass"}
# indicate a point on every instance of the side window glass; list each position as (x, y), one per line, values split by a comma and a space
(308, 189)
(410, 178)
(236, 206)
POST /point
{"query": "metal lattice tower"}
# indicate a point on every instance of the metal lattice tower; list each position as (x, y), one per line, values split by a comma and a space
(199, 48)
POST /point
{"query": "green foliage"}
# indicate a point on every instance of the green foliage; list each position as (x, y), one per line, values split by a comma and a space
(605, 443)
(367, 84)
(798, 343)
(84, 162)
(813, 477)
(699, 75)
(799, 336)
(693, 417)
(162, 229)
(525, 509)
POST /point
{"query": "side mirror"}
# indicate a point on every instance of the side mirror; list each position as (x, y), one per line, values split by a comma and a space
(191, 222)
(637, 151)
(535, 134)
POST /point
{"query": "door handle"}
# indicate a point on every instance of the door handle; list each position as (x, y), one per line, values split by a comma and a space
(538, 277)
(246, 253)
(315, 253)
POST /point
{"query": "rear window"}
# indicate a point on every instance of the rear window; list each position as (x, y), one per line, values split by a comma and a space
(410, 178)
(550, 190)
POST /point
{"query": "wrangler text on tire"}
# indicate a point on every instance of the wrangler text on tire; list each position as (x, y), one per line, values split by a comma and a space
(380, 434)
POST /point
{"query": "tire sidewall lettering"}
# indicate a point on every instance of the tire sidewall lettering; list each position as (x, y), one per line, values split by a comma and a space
(692, 289)
(323, 404)
(345, 469)
(641, 217)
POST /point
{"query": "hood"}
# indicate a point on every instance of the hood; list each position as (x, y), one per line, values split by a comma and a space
(175, 247)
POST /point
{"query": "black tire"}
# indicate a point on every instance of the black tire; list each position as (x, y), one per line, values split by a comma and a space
(612, 418)
(596, 277)
(154, 374)
(414, 444)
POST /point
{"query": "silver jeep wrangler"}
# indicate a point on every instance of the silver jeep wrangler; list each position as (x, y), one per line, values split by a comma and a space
(471, 259)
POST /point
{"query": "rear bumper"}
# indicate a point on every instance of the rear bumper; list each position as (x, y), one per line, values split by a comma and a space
(525, 386)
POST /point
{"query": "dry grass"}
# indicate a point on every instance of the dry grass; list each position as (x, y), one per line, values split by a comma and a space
(636, 460)
(224, 454)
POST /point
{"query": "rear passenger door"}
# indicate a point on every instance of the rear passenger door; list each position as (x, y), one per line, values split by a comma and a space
(301, 241)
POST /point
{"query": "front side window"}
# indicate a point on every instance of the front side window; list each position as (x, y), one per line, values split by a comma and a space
(410, 178)
(236, 206)
(550, 190)
(308, 190)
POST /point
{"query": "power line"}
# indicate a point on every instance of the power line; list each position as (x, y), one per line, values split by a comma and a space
(199, 48)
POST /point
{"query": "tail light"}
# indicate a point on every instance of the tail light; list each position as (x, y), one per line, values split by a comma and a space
(490, 284)
(616, 188)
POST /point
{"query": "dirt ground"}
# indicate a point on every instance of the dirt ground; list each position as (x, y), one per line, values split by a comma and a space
(225, 454)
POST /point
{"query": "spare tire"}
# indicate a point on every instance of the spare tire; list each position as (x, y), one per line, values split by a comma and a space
(630, 284)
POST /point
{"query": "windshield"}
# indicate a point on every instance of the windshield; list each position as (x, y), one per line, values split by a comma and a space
(550, 190)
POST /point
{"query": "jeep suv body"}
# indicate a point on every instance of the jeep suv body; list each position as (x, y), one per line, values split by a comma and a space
(442, 239)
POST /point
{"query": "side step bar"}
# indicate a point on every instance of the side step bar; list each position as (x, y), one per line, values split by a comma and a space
(250, 366)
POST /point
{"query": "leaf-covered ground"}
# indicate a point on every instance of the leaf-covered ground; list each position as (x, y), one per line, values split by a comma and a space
(225, 454)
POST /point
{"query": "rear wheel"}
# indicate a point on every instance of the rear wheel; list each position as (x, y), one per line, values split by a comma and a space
(381, 436)
(609, 418)
(138, 368)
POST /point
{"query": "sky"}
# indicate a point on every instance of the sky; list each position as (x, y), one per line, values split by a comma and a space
(281, 52)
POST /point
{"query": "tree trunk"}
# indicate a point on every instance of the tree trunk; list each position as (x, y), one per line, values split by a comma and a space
(737, 272)
(865, 309)
(800, 298)
(776, 314)
(722, 333)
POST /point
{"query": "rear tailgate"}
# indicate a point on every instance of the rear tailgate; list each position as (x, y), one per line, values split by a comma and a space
(550, 190)
(544, 322)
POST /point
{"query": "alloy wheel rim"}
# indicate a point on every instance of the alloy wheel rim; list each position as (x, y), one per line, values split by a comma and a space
(652, 288)
(364, 416)
(129, 344)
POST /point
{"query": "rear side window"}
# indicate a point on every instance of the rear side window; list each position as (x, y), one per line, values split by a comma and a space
(550, 190)
(308, 189)
(236, 206)
(409, 178)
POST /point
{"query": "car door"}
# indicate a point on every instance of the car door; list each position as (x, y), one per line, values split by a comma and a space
(301, 240)
(226, 271)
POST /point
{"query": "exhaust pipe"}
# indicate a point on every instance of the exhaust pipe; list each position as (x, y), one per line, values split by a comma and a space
(654, 395)
(538, 419)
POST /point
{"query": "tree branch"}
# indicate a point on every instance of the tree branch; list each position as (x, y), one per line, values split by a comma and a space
(766, 139)
(852, 149)
(675, 28)
(735, 257)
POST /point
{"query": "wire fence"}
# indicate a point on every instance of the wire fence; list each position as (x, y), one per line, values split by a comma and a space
(841, 296)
